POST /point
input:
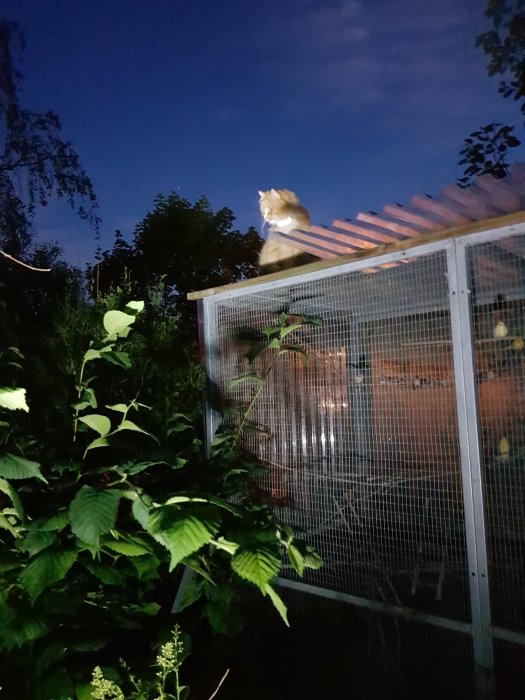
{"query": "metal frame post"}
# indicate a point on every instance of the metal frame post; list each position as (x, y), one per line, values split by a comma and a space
(471, 465)
(207, 327)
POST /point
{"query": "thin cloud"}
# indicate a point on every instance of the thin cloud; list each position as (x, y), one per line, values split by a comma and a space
(349, 55)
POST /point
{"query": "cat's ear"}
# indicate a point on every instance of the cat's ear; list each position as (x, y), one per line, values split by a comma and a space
(275, 193)
(261, 194)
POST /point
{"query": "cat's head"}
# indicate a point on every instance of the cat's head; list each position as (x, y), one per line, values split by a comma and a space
(273, 202)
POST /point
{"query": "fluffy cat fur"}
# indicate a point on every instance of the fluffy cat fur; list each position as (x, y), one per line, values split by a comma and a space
(282, 211)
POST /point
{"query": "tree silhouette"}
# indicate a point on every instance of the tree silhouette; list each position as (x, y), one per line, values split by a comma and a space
(184, 246)
(36, 163)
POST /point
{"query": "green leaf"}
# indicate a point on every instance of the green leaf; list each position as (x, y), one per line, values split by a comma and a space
(130, 547)
(104, 572)
(35, 542)
(312, 560)
(122, 359)
(7, 488)
(253, 376)
(16, 467)
(83, 691)
(97, 442)
(204, 498)
(259, 565)
(296, 559)
(6, 523)
(278, 604)
(116, 321)
(146, 566)
(56, 523)
(141, 509)
(225, 545)
(191, 594)
(49, 567)
(19, 627)
(49, 655)
(136, 306)
(101, 424)
(91, 644)
(91, 354)
(184, 531)
(93, 513)
(130, 425)
(137, 466)
(57, 686)
(120, 407)
(13, 398)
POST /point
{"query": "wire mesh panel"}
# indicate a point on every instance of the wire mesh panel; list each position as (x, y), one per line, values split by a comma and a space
(497, 281)
(362, 653)
(361, 439)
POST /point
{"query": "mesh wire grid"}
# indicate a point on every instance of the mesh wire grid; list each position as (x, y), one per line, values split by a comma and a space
(361, 442)
(497, 282)
(376, 654)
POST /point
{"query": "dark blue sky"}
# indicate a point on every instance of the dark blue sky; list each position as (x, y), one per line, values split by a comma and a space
(351, 103)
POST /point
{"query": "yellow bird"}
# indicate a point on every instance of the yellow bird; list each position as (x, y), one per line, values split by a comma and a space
(500, 330)
(518, 344)
(503, 450)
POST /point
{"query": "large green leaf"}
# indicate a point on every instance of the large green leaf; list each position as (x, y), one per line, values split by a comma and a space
(16, 467)
(46, 569)
(184, 531)
(116, 321)
(97, 422)
(93, 513)
(13, 398)
(257, 564)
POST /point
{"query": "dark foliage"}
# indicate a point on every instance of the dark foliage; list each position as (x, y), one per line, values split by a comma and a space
(36, 163)
(184, 247)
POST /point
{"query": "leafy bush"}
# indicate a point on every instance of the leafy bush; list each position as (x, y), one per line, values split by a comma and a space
(96, 527)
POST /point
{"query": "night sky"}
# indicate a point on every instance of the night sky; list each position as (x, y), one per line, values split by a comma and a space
(351, 103)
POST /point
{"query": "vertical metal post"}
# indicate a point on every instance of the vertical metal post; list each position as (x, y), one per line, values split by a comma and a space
(207, 345)
(359, 399)
(208, 349)
(471, 465)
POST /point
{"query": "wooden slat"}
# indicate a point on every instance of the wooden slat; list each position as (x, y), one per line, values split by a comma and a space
(499, 192)
(305, 243)
(382, 223)
(342, 237)
(447, 213)
(405, 214)
(310, 237)
(370, 233)
(476, 206)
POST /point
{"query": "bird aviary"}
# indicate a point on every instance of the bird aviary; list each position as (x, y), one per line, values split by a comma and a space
(396, 442)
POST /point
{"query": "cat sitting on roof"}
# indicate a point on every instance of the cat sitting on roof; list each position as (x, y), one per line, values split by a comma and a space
(282, 211)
